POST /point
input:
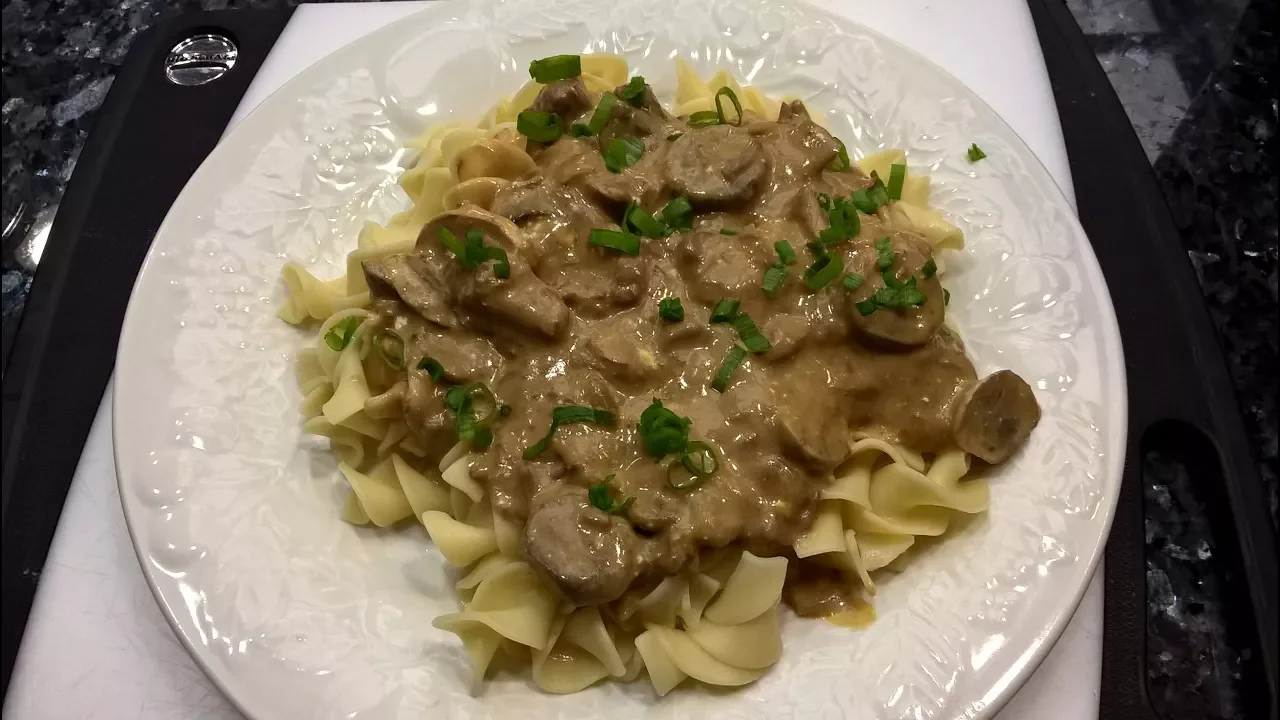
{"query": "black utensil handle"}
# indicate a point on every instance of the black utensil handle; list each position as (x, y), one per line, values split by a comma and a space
(1180, 394)
(149, 137)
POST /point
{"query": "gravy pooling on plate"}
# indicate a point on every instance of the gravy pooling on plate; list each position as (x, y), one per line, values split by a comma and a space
(712, 308)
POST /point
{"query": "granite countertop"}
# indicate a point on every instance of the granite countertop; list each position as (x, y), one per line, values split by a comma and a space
(1192, 77)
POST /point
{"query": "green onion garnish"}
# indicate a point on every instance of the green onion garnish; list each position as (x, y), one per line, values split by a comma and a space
(662, 431)
(853, 281)
(642, 223)
(674, 136)
(841, 163)
(866, 307)
(579, 130)
(824, 201)
(623, 242)
(737, 354)
(390, 347)
(878, 194)
(557, 67)
(564, 415)
(704, 118)
(975, 153)
(604, 111)
(433, 367)
(670, 309)
(501, 265)
(464, 401)
(697, 463)
(539, 126)
(339, 336)
(773, 279)
(601, 497)
(928, 269)
(633, 91)
(751, 336)
(737, 106)
(786, 253)
(897, 175)
(816, 249)
(843, 222)
(884, 252)
(727, 231)
(897, 294)
(725, 311)
(823, 271)
(678, 214)
(623, 152)
(861, 199)
(472, 253)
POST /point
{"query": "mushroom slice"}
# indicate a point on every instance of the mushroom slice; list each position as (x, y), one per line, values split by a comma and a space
(720, 164)
(492, 158)
(996, 417)
(897, 326)
(479, 191)
(495, 228)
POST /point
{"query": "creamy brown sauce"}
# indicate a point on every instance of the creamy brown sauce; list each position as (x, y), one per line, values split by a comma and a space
(579, 325)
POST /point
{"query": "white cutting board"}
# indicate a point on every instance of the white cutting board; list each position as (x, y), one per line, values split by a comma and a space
(96, 644)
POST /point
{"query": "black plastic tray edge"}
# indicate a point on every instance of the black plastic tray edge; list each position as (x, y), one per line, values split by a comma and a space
(59, 365)
(1174, 363)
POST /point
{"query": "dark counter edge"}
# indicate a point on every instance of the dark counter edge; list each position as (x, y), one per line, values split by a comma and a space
(1179, 389)
(64, 349)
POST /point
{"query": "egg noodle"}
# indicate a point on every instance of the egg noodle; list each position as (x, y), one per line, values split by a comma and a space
(717, 621)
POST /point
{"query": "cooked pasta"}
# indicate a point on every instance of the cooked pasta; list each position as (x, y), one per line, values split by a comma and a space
(379, 385)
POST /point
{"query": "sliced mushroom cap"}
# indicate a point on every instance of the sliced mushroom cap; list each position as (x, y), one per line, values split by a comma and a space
(492, 158)
(495, 228)
(718, 165)
(478, 191)
(585, 553)
(567, 98)
(898, 327)
(416, 282)
(996, 416)
(527, 198)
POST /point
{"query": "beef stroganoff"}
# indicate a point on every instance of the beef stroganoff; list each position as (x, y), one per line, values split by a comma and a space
(646, 374)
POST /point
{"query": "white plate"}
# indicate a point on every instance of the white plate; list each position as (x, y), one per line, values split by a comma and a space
(297, 615)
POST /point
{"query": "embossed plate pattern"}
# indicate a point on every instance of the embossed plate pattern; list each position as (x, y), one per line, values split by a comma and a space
(296, 615)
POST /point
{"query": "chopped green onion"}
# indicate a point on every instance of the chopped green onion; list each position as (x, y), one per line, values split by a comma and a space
(539, 126)
(897, 294)
(861, 199)
(751, 336)
(843, 222)
(866, 307)
(580, 130)
(725, 311)
(698, 462)
(339, 336)
(727, 231)
(674, 136)
(433, 367)
(662, 431)
(564, 415)
(601, 497)
(884, 252)
(824, 200)
(897, 175)
(823, 271)
(946, 296)
(623, 242)
(463, 401)
(633, 91)
(557, 67)
(390, 347)
(853, 281)
(704, 118)
(841, 163)
(642, 223)
(878, 194)
(604, 111)
(786, 253)
(929, 269)
(975, 153)
(737, 354)
(453, 245)
(622, 152)
(737, 106)
(773, 279)
(678, 214)
(816, 249)
(670, 309)
(472, 253)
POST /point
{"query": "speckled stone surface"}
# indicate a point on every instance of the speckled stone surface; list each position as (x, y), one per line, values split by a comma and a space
(1195, 90)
